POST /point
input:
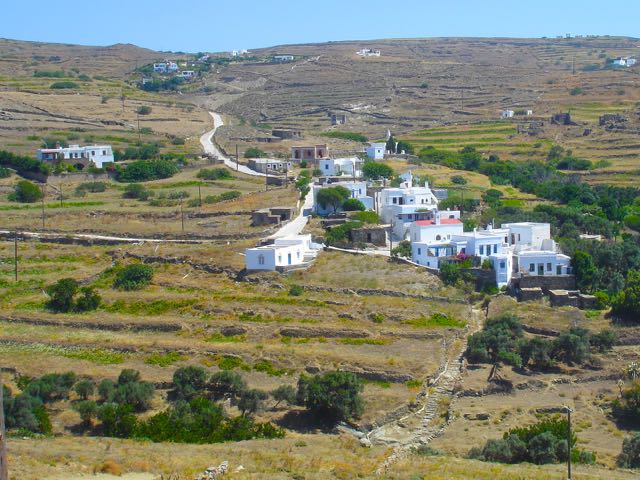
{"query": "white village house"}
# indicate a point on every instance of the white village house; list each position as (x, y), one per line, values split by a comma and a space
(376, 151)
(165, 67)
(264, 165)
(350, 167)
(284, 254)
(625, 62)
(78, 156)
(406, 204)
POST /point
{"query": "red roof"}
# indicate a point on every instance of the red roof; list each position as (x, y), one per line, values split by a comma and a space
(443, 221)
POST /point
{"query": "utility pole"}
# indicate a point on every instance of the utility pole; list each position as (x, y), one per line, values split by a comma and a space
(182, 216)
(15, 254)
(4, 469)
(199, 196)
(60, 193)
(391, 237)
(139, 134)
(43, 194)
(568, 441)
(573, 65)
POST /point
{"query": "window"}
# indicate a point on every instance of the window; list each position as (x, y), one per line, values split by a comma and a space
(549, 268)
(326, 166)
(495, 248)
(532, 267)
(438, 237)
(481, 249)
(394, 200)
(93, 153)
(502, 265)
(261, 259)
(518, 237)
(279, 258)
(419, 251)
(298, 253)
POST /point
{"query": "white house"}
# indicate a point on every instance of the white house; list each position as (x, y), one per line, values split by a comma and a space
(187, 74)
(283, 58)
(483, 243)
(507, 114)
(285, 253)
(165, 67)
(368, 52)
(98, 154)
(350, 167)
(527, 235)
(542, 263)
(357, 189)
(376, 151)
(406, 204)
(625, 62)
(264, 165)
(431, 240)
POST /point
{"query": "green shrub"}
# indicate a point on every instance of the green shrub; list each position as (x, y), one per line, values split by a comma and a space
(458, 180)
(366, 217)
(144, 110)
(133, 277)
(22, 164)
(89, 300)
(353, 205)
(354, 137)
(284, 393)
(226, 384)
(50, 74)
(296, 290)
(254, 153)
(61, 295)
(25, 412)
(87, 409)
(630, 455)
(331, 397)
(117, 420)
(84, 388)
(63, 85)
(576, 91)
(26, 192)
(402, 250)
(164, 359)
(374, 170)
(145, 170)
(627, 408)
(137, 191)
(5, 172)
(51, 387)
(189, 382)
(214, 174)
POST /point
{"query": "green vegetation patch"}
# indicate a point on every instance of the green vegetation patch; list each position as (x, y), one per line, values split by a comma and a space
(164, 359)
(437, 320)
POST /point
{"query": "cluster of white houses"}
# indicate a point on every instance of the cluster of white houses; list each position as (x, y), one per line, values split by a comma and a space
(436, 236)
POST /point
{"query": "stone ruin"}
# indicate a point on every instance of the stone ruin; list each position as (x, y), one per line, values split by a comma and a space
(612, 120)
(212, 473)
(562, 119)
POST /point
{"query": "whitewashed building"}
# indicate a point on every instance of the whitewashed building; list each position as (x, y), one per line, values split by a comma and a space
(285, 253)
(406, 204)
(188, 74)
(368, 52)
(357, 189)
(507, 114)
(542, 263)
(264, 165)
(376, 151)
(350, 167)
(529, 235)
(432, 240)
(625, 62)
(76, 155)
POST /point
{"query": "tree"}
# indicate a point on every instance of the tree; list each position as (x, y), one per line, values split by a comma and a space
(353, 205)
(133, 277)
(584, 269)
(538, 352)
(450, 273)
(458, 180)
(627, 408)
(254, 153)
(402, 250)
(630, 455)
(144, 110)
(189, 382)
(88, 410)
(26, 192)
(89, 300)
(572, 346)
(117, 420)
(374, 170)
(331, 397)
(626, 305)
(61, 295)
(250, 401)
(105, 389)
(284, 393)
(332, 197)
(225, 384)
(85, 388)
(137, 191)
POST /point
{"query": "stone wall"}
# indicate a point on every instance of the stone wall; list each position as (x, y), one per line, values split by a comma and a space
(546, 283)
(376, 236)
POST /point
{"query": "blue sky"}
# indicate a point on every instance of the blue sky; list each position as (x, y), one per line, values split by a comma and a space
(215, 25)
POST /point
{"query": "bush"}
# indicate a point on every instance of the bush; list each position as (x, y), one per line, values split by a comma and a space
(630, 455)
(143, 110)
(226, 384)
(22, 164)
(89, 300)
(498, 341)
(402, 250)
(284, 393)
(626, 305)
(353, 205)
(355, 137)
(374, 170)
(450, 273)
(296, 290)
(63, 85)
(117, 420)
(145, 170)
(137, 191)
(87, 409)
(627, 408)
(49, 74)
(214, 174)
(105, 389)
(133, 277)
(367, 217)
(251, 401)
(189, 382)
(26, 192)
(254, 153)
(458, 180)
(51, 387)
(25, 412)
(331, 397)
(5, 172)
(84, 388)
(61, 295)
(576, 91)
(340, 233)
(93, 187)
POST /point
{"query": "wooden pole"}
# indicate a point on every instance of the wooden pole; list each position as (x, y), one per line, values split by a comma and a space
(199, 196)
(4, 469)
(15, 254)
(182, 216)
(43, 194)
(569, 443)
(60, 194)
(237, 158)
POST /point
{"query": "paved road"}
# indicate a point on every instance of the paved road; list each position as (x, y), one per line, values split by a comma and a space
(211, 148)
(295, 226)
